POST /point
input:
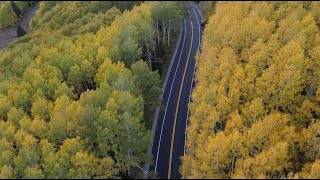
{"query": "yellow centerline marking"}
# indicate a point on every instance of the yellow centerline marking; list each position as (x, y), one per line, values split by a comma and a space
(176, 114)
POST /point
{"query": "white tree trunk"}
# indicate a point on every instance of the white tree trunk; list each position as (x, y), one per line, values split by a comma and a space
(148, 50)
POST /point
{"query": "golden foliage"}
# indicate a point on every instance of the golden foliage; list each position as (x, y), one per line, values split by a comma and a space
(255, 106)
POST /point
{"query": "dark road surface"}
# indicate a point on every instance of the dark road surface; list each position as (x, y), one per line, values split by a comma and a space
(169, 139)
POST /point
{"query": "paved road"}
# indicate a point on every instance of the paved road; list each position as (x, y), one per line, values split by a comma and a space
(169, 139)
(29, 15)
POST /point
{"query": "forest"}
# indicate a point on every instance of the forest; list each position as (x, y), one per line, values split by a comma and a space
(12, 11)
(78, 91)
(255, 107)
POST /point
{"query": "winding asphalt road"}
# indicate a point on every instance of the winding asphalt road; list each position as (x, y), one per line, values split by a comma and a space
(170, 133)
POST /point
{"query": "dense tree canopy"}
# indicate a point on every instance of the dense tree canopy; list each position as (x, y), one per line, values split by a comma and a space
(77, 92)
(7, 15)
(255, 107)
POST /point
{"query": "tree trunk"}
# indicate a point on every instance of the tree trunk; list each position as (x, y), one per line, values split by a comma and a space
(169, 33)
(148, 50)
(232, 164)
(158, 36)
(164, 32)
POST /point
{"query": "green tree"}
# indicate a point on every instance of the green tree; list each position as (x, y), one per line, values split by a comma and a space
(86, 165)
(20, 31)
(87, 119)
(58, 123)
(5, 106)
(150, 86)
(41, 108)
(28, 155)
(33, 173)
(7, 15)
(120, 130)
(6, 172)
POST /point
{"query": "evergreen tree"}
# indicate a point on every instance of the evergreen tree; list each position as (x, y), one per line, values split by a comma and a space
(20, 31)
